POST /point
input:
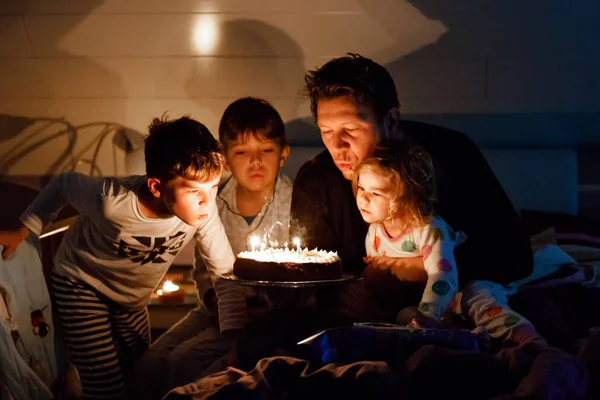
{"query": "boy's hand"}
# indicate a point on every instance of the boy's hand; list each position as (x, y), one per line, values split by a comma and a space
(10, 240)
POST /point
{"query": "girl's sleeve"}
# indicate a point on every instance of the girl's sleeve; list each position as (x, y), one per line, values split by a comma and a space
(436, 244)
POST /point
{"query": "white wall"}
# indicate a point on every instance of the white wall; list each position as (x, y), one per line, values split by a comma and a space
(502, 71)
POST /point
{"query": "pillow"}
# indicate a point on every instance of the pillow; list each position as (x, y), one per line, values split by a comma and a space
(582, 254)
(578, 239)
(569, 229)
(544, 238)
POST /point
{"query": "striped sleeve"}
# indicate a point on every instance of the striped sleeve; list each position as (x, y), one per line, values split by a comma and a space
(215, 250)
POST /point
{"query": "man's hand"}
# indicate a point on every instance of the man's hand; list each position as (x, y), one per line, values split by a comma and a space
(409, 269)
(10, 240)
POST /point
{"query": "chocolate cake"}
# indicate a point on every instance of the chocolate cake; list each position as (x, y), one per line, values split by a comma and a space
(287, 265)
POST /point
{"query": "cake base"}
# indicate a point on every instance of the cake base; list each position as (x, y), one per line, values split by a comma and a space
(246, 268)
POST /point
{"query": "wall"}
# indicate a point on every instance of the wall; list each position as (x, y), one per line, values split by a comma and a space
(505, 72)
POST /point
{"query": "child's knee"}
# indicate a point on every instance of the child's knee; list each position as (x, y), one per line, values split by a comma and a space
(483, 293)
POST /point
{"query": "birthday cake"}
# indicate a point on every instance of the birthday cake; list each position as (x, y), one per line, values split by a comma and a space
(287, 265)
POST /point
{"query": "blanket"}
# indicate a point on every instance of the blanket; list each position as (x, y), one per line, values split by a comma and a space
(559, 308)
(432, 372)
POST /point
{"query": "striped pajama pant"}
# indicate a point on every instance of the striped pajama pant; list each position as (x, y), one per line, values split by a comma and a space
(103, 339)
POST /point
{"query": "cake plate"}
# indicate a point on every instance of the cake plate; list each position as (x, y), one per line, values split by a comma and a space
(346, 278)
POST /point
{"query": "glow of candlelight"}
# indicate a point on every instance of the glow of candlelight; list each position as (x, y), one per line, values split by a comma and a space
(297, 243)
(262, 247)
(168, 287)
(286, 247)
(254, 241)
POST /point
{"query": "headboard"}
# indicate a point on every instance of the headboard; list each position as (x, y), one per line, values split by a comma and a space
(534, 178)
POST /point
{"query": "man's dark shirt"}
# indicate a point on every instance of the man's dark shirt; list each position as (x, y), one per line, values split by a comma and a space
(470, 199)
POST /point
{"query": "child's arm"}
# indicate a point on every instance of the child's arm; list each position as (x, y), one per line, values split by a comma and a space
(407, 269)
(437, 249)
(214, 248)
(80, 191)
(204, 283)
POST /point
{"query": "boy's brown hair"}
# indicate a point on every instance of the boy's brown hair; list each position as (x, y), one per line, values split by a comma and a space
(410, 171)
(182, 147)
(251, 116)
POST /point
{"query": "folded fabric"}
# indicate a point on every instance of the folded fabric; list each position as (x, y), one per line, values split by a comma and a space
(30, 308)
(380, 342)
(546, 261)
(15, 375)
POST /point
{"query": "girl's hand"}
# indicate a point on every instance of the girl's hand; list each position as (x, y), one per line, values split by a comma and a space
(409, 269)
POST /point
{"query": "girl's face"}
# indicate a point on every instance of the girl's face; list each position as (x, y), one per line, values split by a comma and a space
(373, 197)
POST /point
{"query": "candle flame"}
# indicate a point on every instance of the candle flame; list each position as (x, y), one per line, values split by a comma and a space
(168, 287)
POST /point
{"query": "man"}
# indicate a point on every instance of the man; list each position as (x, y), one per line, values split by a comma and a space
(355, 104)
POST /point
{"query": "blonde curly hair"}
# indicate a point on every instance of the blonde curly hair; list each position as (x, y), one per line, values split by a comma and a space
(410, 171)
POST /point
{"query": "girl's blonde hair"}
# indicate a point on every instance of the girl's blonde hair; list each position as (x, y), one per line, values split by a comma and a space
(410, 171)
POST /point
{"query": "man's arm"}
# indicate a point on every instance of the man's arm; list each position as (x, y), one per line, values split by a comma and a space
(496, 248)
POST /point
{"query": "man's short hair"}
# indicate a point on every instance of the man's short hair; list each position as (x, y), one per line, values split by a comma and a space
(356, 77)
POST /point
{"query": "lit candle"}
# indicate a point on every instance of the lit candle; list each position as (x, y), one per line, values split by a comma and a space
(168, 287)
(286, 248)
(262, 247)
(254, 240)
(297, 243)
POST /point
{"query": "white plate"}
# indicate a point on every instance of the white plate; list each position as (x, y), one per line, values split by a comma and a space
(346, 278)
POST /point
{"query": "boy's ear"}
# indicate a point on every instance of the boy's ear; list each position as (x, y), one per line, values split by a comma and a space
(155, 187)
(226, 166)
(285, 153)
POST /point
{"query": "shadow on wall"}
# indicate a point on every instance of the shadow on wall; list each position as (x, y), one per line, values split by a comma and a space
(32, 152)
(480, 77)
(274, 70)
(60, 86)
(506, 73)
(22, 136)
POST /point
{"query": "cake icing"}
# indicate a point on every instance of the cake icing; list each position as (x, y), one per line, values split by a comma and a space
(277, 264)
(291, 256)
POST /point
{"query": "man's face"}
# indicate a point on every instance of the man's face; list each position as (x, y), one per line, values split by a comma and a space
(349, 131)
(254, 163)
(190, 200)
